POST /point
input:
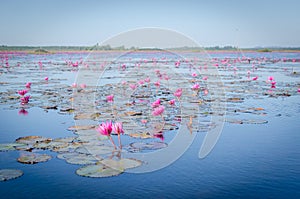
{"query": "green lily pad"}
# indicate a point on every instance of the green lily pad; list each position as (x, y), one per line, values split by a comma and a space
(10, 146)
(9, 174)
(122, 164)
(81, 127)
(97, 171)
(33, 158)
(145, 135)
(77, 158)
(255, 121)
(32, 139)
(148, 146)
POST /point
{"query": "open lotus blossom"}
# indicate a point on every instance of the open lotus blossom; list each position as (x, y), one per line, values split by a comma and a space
(271, 78)
(196, 87)
(133, 86)
(46, 78)
(205, 92)
(273, 84)
(25, 99)
(118, 129)
(147, 80)
(156, 103)
(157, 84)
(158, 110)
(74, 85)
(298, 90)
(28, 85)
(194, 75)
(177, 64)
(255, 78)
(110, 98)
(141, 82)
(172, 102)
(22, 92)
(83, 86)
(106, 129)
(178, 92)
(205, 78)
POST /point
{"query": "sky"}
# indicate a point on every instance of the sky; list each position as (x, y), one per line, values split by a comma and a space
(239, 23)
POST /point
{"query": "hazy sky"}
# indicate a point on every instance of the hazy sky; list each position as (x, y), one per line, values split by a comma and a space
(209, 22)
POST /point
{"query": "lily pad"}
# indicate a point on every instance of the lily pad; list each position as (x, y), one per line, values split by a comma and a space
(123, 164)
(82, 127)
(32, 139)
(141, 135)
(9, 174)
(148, 146)
(10, 146)
(255, 121)
(77, 158)
(33, 158)
(98, 171)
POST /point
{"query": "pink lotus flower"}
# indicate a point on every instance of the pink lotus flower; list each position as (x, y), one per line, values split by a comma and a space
(141, 82)
(83, 86)
(133, 86)
(144, 121)
(271, 78)
(194, 74)
(158, 110)
(75, 64)
(25, 100)
(123, 82)
(118, 128)
(172, 102)
(28, 85)
(74, 85)
(177, 64)
(205, 78)
(156, 103)
(46, 78)
(255, 78)
(273, 84)
(157, 84)
(178, 92)
(298, 90)
(22, 92)
(110, 98)
(147, 80)
(196, 87)
(105, 128)
(166, 77)
(205, 92)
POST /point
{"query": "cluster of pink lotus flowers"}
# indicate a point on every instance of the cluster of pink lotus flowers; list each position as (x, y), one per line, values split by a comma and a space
(106, 129)
(25, 99)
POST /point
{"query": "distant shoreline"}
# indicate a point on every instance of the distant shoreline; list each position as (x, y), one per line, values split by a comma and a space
(57, 49)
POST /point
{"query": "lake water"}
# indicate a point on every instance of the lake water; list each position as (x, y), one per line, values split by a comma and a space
(256, 156)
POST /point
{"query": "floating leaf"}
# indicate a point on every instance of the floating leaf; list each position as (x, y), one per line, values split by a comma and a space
(95, 149)
(32, 139)
(255, 121)
(33, 158)
(148, 146)
(9, 174)
(97, 171)
(82, 127)
(122, 164)
(10, 146)
(141, 135)
(78, 158)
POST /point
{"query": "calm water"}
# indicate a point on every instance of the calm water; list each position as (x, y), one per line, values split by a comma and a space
(248, 161)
